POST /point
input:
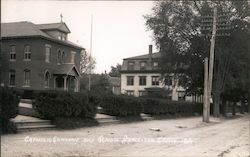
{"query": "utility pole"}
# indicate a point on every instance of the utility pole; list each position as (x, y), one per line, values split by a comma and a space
(211, 60)
(205, 95)
(90, 53)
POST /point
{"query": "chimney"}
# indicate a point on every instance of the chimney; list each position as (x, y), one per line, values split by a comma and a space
(150, 50)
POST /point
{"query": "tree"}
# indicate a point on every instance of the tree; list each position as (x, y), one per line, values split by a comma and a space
(115, 71)
(176, 30)
(87, 63)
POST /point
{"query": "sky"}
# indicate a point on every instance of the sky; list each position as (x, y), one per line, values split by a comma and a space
(119, 29)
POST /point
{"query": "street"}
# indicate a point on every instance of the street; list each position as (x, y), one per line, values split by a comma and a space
(169, 137)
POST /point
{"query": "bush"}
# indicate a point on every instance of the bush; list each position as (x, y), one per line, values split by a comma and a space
(50, 105)
(9, 108)
(121, 105)
(168, 107)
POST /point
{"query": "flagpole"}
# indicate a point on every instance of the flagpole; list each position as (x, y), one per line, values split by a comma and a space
(90, 53)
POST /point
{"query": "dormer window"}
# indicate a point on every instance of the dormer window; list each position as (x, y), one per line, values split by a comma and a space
(131, 65)
(142, 65)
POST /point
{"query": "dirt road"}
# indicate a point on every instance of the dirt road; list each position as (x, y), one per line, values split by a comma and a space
(183, 137)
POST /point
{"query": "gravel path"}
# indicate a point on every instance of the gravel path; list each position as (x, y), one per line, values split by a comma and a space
(169, 137)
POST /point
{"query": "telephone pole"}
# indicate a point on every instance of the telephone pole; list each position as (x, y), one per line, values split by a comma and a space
(211, 61)
(205, 96)
(90, 53)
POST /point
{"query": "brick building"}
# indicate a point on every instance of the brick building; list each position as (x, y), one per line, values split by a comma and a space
(39, 57)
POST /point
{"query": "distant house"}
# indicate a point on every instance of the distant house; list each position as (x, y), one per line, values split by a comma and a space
(39, 57)
(115, 83)
(141, 76)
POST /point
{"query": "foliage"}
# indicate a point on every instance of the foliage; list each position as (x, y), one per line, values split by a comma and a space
(87, 63)
(115, 70)
(99, 83)
(8, 108)
(176, 28)
(50, 105)
(168, 107)
(122, 105)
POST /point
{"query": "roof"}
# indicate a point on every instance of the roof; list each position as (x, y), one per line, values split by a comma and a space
(29, 29)
(50, 26)
(19, 29)
(66, 69)
(154, 55)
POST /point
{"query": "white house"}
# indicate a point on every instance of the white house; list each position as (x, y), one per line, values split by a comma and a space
(140, 75)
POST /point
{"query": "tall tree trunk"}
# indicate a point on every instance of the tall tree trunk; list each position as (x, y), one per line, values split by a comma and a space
(216, 104)
(224, 107)
(233, 108)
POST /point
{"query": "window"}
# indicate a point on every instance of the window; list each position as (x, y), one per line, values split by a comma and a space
(47, 53)
(26, 77)
(12, 53)
(131, 65)
(168, 80)
(63, 57)
(130, 80)
(142, 93)
(130, 92)
(27, 53)
(142, 65)
(155, 80)
(12, 77)
(155, 65)
(59, 57)
(181, 95)
(73, 57)
(142, 80)
(63, 36)
(46, 79)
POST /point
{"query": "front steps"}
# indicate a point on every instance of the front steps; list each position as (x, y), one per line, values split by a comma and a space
(25, 123)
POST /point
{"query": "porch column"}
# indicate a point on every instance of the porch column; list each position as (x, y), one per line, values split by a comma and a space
(55, 82)
(65, 83)
(76, 84)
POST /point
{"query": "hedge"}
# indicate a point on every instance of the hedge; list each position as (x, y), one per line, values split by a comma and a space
(132, 106)
(53, 104)
(121, 105)
(8, 108)
(160, 107)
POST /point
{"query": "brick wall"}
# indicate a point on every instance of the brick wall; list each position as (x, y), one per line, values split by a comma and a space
(37, 65)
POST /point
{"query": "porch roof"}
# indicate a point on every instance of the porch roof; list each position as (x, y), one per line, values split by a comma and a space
(67, 69)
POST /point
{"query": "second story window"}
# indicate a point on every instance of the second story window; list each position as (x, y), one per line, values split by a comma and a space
(47, 53)
(63, 57)
(130, 80)
(142, 80)
(12, 78)
(142, 65)
(26, 77)
(12, 53)
(155, 80)
(72, 60)
(131, 65)
(27, 53)
(155, 65)
(59, 57)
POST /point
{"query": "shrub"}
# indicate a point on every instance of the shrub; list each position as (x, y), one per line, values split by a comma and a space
(53, 104)
(160, 107)
(9, 108)
(121, 105)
